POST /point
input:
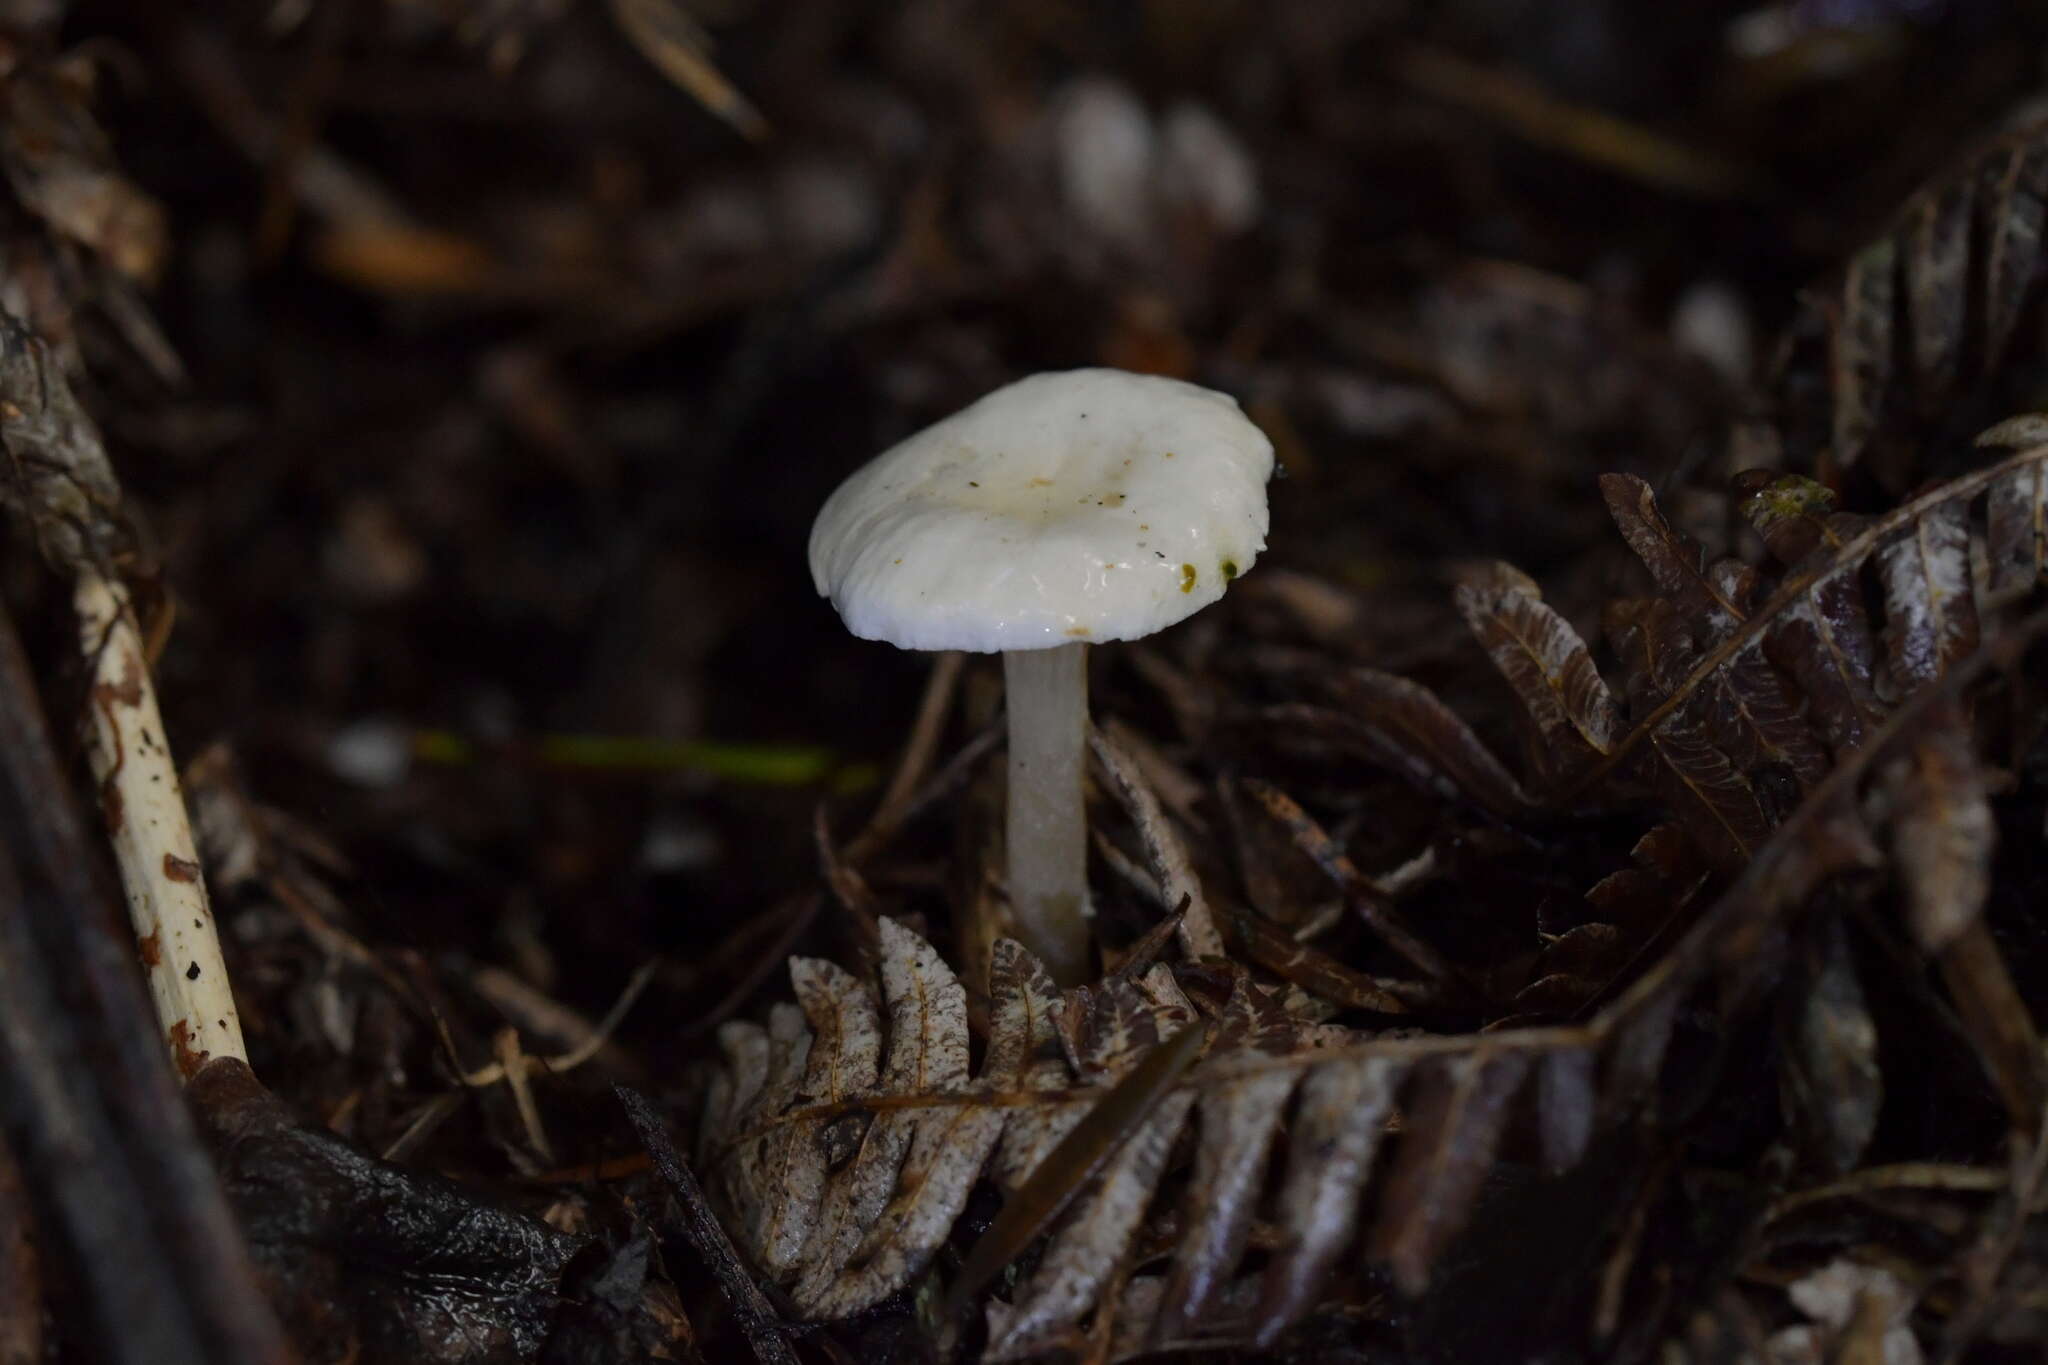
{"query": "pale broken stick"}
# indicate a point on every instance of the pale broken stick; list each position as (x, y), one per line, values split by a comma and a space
(145, 815)
(56, 481)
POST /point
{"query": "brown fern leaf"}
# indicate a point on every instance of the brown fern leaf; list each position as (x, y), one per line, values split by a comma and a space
(1025, 1053)
(1238, 1121)
(1456, 1115)
(1747, 711)
(860, 1248)
(2012, 185)
(1665, 872)
(2016, 514)
(1921, 547)
(1093, 1237)
(890, 1150)
(1931, 617)
(1713, 798)
(1922, 317)
(1676, 562)
(1547, 664)
(1912, 783)
(1403, 727)
(1339, 1121)
(1822, 640)
(1281, 1127)
(1288, 1121)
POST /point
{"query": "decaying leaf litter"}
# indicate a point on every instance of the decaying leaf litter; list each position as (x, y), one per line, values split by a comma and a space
(1613, 793)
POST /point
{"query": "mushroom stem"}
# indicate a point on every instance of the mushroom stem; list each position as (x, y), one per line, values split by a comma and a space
(1048, 823)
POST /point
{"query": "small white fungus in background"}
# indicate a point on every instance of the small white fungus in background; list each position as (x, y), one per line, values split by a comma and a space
(1711, 321)
(1120, 171)
(677, 843)
(1105, 149)
(1201, 162)
(371, 753)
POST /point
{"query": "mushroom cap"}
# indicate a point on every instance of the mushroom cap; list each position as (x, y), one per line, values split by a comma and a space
(1080, 505)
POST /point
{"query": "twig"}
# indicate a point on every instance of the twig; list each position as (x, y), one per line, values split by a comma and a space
(144, 810)
(1373, 907)
(515, 1067)
(1175, 871)
(589, 1046)
(61, 486)
(109, 1151)
(678, 47)
(1592, 135)
(1910, 1175)
(755, 1315)
(796, 915)
(959, 767)
(923, 742)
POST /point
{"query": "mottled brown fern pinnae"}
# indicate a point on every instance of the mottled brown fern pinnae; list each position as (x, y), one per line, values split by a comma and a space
(1917, 324)
(844, 1137)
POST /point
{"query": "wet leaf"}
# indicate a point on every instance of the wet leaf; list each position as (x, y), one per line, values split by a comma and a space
(1937, 225)
(1567, 1103)
(1547, 664)
(1824, 642)
(1697, 779)
(1123, 1136)
(1676, 562)
(1403, 726)
(1313, 970)
(1930, 615)
(367, 1260)
(1456, 1115)
(2012, 182)
(1164, 848)
(893, 1221)
(1860, 348)
(1923, 315)
(1238, 1121)
(2016, 532)
(1748, 712)
(840, 1063)
(1339, 1121)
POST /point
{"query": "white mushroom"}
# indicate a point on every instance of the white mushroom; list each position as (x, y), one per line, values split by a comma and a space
(1064, 509)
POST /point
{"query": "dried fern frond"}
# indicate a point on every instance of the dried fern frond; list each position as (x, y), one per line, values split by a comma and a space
(808, 1141)
(1742, 687)
(1919, 320)
(844, 1137)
